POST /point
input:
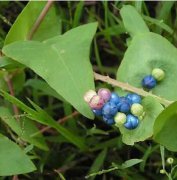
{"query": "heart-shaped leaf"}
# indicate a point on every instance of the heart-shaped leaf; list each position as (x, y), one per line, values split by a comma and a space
(62, 61)
(165, 127)
(145, 129)
(146, 52)
(13, 159)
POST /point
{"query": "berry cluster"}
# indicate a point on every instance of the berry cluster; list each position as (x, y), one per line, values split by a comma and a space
(150, 81)
(114, 109)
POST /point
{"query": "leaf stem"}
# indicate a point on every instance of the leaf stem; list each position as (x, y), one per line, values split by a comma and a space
(40, 19)
(128, 87)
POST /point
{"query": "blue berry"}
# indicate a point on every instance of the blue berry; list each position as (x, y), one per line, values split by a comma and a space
(97, 112)
(134, 98)
(114, 98)
(108, 120)
(131, 122)
(149, 82)
(124, 105)
(109, 109)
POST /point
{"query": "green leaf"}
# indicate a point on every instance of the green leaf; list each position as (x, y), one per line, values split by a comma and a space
(150, 51)
(63, 64)
(24, 129)
(165, 127)
(97, 164)
(78, 13)
(27, 18)
(130, 163)
(18, 79)
(8, 63)
(42, 86)
(132, 20)
(13, 159)
(42, 117)
(145, 129)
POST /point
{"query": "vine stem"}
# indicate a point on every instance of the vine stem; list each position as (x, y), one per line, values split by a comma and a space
(128, 87)
(11, 89)
(60, 121)
(40, 19)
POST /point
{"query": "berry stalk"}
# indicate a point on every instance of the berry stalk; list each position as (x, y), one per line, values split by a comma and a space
(127, 87)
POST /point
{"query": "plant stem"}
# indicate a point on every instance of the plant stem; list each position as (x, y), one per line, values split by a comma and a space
(40, 19)
(60, 121)
(128, 87)
(11, 89)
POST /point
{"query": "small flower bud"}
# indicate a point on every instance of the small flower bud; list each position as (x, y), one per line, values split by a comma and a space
(137, 109)
(170, 160)
(96, 102)
(88, 95)
(158, 74)
(120, 118)
(142, 116)
(105, 94)
(162, 171)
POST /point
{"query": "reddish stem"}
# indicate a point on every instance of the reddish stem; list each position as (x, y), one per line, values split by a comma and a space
(40, 19)
(61, 121)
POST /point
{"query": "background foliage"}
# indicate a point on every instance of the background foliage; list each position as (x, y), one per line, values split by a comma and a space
(77, 147)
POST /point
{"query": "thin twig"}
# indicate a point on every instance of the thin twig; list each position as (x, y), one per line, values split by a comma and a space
(70, 165)
(15, 177)
(11, 89)
(61, 121)
(128, 87)
(40, 19)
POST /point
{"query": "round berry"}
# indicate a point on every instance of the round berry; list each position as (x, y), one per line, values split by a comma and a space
(105, 94)
(97, 112)
(137, 110)
(124, 105)
(114, 98)
(134, 98)
(108, 120)
(96, 102)
(109, 109)
(120, 118)
(131, 122)
(88, 95)
(149, 82)
(158, 74)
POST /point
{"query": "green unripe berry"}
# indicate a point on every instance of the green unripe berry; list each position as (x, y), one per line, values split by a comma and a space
(170, 160)
(119, 118)
(158, 74)
(137, 110)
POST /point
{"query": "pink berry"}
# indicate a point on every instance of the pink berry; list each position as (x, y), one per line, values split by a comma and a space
(105, 94)
(96, 102)
(88, 95)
